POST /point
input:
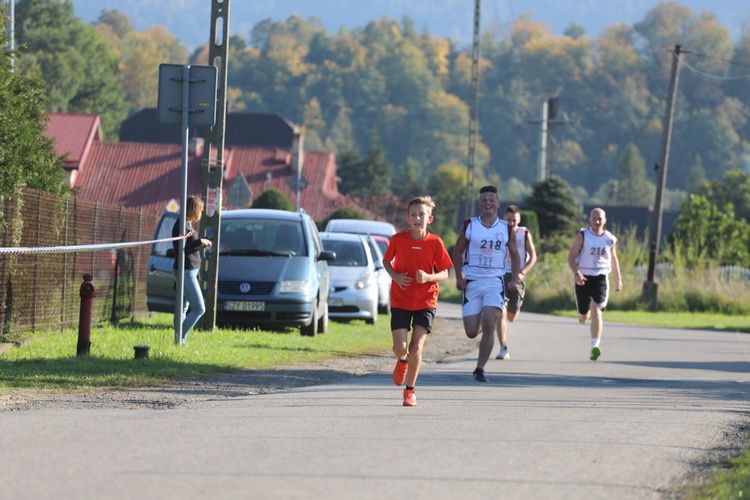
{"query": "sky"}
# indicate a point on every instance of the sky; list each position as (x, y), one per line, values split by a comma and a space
(189, 19)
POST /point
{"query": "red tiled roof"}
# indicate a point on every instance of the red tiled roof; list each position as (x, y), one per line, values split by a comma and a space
(73, 134)
(148, 175)
(137, 174)
(265, 168)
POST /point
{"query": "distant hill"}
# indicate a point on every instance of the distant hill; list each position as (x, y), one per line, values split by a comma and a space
(189, 19)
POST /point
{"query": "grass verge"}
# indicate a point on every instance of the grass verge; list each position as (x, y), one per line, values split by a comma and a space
(691, 321)
(48, 361)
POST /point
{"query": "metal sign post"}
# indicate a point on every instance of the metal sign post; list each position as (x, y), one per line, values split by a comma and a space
(187, 95)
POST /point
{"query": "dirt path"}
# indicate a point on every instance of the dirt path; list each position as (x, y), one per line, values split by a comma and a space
(446, 341)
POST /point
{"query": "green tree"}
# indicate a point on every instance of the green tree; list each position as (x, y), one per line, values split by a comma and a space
(703, 234)
(633, 188)
(409, 177)
(378, 172)
(370, 175)
(273, 198)
(75, 61)
(575, 31)
(711, 133)
(117, 21)
(733, 189)
(27, 156)
(556, 207)
(696, 175)
(350, 170)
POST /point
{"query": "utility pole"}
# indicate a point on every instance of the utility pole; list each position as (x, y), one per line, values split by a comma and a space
(473, 118)
(542, 168)
(547, 123)
(650, 288)
(213, 171)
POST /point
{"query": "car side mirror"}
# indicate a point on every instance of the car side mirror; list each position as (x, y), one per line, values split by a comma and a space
(327, 255)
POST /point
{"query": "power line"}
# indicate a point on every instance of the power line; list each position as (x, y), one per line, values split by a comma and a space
(707, 75)
(717, 88)
(736, 63)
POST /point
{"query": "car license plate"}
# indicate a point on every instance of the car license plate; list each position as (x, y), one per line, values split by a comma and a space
(335, 301)
(244, 306)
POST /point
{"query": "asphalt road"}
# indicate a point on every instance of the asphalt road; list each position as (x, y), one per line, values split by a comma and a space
(550, 424)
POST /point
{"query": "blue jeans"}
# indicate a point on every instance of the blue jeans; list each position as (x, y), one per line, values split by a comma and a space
(194, 297)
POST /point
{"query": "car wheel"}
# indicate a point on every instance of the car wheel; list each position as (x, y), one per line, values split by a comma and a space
(373, 320)
(385, 309)
(323, 321)
(311, 330)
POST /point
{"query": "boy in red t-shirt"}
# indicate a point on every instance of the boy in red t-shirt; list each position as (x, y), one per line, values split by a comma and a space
(416, 260)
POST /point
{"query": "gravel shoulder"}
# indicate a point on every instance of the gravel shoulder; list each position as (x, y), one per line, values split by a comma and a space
(446, 341)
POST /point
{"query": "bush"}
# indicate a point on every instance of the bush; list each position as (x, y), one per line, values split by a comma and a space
(273, 198)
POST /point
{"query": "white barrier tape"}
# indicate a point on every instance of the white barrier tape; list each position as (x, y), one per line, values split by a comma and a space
(85, 248)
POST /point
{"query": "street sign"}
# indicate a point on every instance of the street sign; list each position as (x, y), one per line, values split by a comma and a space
(202, 98)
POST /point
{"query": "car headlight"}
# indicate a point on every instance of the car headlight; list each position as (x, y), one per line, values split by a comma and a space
(364, 281)
(295, 286)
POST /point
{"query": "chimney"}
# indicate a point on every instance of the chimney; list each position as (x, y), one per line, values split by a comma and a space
(298, 150)
(195, 146)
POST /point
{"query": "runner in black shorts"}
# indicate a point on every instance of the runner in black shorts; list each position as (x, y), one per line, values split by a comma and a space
(591, 258)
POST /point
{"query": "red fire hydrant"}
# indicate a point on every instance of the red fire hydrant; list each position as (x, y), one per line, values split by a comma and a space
(84, 320)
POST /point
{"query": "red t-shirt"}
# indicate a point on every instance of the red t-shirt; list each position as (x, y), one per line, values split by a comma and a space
(409, 255)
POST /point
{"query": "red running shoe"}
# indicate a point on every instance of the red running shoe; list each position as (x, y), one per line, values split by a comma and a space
(409, 398)
(399, 373)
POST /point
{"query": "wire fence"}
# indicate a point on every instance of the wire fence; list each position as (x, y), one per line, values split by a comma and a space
(666, 271)
(40, 290)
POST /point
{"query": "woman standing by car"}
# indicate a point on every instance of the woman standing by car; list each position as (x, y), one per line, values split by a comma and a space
(193, 246)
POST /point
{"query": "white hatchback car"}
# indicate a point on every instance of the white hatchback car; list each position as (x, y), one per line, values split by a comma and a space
(353, 277)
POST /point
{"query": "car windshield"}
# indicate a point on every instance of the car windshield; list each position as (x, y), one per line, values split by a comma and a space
(348, 253)
(262, 237)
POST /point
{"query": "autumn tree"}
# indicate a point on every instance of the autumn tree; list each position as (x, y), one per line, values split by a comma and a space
(447, 186)
(142, 54)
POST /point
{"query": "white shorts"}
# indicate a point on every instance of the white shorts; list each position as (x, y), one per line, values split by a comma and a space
(481, 293)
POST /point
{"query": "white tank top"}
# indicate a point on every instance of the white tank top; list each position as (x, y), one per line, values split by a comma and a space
(485, 255)
(595, 257)
(523, 257)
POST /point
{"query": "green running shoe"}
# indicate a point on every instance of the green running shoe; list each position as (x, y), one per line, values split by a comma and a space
(595, 353)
